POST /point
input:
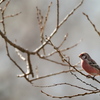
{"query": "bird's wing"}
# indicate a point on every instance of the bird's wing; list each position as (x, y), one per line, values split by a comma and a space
(94, 64)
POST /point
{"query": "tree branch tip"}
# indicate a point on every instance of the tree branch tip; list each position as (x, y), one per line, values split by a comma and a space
(20, 76)
(66, 35)
(84, 13)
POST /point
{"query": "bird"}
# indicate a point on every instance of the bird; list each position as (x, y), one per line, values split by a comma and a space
(89, 65)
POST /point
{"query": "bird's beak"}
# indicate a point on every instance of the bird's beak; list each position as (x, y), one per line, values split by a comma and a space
(79, 56)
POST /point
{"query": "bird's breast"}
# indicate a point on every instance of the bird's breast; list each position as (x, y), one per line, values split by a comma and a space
(89, 69)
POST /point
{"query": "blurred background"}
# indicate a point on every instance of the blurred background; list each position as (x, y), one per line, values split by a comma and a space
(25, 29)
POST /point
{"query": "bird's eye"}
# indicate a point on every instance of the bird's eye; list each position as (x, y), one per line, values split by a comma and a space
(84, 56)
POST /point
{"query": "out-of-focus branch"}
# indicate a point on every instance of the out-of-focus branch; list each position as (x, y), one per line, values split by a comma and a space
(2, 1)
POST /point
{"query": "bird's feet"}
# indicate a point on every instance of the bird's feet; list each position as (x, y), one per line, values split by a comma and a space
(89, 76)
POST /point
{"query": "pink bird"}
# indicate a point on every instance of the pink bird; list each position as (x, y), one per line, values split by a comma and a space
(89, 65)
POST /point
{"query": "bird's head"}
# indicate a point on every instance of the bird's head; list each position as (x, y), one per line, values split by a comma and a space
(84, 56)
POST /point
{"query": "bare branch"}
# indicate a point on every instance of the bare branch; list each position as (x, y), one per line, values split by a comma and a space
(13, 15)
(5, 7)
(42, 24)
(92, 23)
(50, 75)
(2, 1)
(64, 84)
(2, 16)
(29, 66)
(93, 78)
(46, 17)
(47, 41)
(15, 45)
(65, 37)
(60, 97)
(28, 63)
(56, 29)
(62, 50)
(56, 62)
(20, 55)
(71, 13)
(57, 13)
(24, 74)
(84, 81)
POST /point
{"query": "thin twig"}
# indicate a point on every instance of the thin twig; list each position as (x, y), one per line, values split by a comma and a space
(51, 35)
(5, 7)
(71, 13)
(20, 55)
(42, 24)
(60, 97)
(29, 66)
(91, 23)
(57, 13)
(84, 81)
(56, 29)
(2, 16)
(24, 74)
(62, 50)
(80, 71)
(63, 84)
(50, 75)
(65, 37)
(56, 62)
(13, 15)
(15, 45)
(46, 17)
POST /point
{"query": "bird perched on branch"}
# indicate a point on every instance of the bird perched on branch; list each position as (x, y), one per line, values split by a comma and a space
(89, 65)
